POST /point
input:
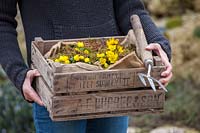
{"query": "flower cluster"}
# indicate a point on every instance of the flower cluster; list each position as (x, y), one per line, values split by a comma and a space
(111, 54)
(104, 55)
(72, 54)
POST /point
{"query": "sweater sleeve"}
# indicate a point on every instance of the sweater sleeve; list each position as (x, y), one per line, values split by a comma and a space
(125, 8)
(10, 55)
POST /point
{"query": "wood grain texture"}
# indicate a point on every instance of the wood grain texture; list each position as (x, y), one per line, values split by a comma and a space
(141, 40)
(101, 80)
(104, 115)
(44, 93)
(107, 102)
(41, 64)
(100, 104)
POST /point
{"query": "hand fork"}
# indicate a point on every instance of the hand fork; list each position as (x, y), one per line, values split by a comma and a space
(145, 55)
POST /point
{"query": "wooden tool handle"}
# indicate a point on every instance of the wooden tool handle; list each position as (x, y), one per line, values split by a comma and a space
(146, 56)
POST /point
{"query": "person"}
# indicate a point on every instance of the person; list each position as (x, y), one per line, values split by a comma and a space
(62, 19)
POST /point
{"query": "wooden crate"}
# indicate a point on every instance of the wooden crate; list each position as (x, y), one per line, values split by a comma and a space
(93, 94)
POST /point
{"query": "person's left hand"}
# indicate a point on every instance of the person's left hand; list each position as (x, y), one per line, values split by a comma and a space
(167, 74)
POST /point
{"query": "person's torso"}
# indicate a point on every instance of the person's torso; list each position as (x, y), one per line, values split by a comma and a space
(62, 19)
(68, 18)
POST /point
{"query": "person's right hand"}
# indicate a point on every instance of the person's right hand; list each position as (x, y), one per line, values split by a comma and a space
(29, 93)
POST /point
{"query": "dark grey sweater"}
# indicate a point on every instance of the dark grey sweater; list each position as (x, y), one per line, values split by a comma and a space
(59, 19)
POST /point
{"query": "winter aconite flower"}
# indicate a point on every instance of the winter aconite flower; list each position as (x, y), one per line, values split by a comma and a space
(63, 58)
(106, 65)
(120, 49)
(113, 58)
(77, 57)
(106, 54)
(57, 60)
(81, 57)
(87, 60)
(102, 61)
(67, 62)
(77, 49)
(112, 47)
(80, 44)
(112, 41)
(86, 51)
(100, 55)
(109, 53)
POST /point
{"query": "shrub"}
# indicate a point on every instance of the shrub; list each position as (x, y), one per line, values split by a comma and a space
(174, 22)
(196, 32)
(15, 114)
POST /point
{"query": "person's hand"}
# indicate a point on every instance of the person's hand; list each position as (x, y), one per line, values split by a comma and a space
(167, 74)
(29, 93)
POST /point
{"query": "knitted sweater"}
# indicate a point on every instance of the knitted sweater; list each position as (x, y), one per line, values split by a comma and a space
(62, 19)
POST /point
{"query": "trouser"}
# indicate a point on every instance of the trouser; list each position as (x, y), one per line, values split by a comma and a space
(44, 124)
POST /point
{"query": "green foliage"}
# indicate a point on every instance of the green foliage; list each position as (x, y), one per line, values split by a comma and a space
(174, 22)
(15, 114)
(196, 32)
(2, 76)
(183, 103)
(181, 108)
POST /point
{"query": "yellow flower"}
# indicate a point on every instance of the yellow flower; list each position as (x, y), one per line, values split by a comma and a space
(120, 49)
(63, 58)
(100, 55)
(87, 60)
(86, 51)
(113, 58)
(102, 61)
(81, 57)
(112, 47)
(106, 65)
(109, 53)
(67, 62)
(80, 44)
(77, 49)
(77, 57)
(116, 41)
(57, 60)
(112, 41)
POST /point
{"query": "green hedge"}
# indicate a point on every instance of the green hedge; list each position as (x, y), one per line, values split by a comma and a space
(15, 114)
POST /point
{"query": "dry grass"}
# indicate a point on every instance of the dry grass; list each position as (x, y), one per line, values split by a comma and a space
(186, 49)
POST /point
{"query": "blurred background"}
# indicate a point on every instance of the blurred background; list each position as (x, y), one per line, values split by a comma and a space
(179, 21)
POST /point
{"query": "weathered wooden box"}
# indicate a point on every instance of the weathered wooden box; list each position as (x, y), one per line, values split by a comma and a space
(93, 94)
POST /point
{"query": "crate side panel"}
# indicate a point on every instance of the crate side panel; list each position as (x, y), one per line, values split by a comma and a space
(41, 64)
(108, 102)
(101, 80)
(44, 93)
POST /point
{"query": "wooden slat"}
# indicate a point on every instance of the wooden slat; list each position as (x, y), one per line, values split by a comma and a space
(101, 80)
(108, 102)
(41, 64)
(44, 93)
(99, 105)
(39, 43)
(106, 114)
